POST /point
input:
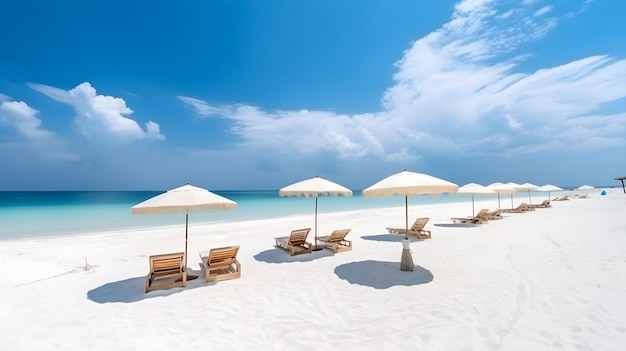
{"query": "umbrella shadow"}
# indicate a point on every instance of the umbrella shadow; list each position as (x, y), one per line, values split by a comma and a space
(382, 275)
(278, 255)
(456, 225)
(133, 289)
(395, 238)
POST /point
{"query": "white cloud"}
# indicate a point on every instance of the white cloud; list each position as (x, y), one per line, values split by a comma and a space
(459, 89)
(202, 108)
(69, 157)
(513, 123)
(101, 117)
(23, 118)
(543, 10)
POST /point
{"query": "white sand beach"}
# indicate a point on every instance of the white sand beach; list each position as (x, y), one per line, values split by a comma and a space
(551, 279)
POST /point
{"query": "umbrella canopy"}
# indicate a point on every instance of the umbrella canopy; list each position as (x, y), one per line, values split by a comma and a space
(585, 187)
(501, 188)
(475, 189)
(548, 188)
(184, 199)
(315, 187)
(410, 183)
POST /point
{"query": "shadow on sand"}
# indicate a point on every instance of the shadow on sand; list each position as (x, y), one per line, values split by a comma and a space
(456, 225)
(278, 255)
(395, 238)
(132, 289)
(382, 275)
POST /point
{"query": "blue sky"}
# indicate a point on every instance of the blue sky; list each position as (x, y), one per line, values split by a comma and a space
(149, 95)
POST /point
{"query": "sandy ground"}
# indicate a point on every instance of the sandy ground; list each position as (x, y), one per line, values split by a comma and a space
(551, 279)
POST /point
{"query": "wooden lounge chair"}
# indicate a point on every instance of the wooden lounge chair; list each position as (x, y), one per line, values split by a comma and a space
(296, 242)
(495, 214)
(521, 208)
(544, 204)
(166, 271)
(562, 198)
(222, 264)
(416, 229)
(479, 218)
(336, 241)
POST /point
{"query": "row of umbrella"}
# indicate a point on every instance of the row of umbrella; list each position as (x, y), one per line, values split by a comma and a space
(188, 197)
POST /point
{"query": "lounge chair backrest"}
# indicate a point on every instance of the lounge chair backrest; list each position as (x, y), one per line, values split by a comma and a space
(338, 235)
(482, 213)
(222, 254)
(419, 224)
(298, 236)
(167, 263)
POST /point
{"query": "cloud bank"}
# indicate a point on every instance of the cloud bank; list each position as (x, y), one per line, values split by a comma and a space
(101, 117)
(461, 89)
(23, 118)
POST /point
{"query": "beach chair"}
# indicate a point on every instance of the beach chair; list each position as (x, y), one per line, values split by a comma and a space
(222, 264)
(166, 271)
(336, 241)
(296, 242)
(479, 218)
(495, 214)
(544, 204)
(521, 208)
(562, 198)
(416, 229)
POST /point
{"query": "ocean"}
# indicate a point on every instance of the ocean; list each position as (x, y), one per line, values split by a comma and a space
(32, 214)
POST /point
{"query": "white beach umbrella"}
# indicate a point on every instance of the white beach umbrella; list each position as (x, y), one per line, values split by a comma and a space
(501, 188)
(315, 187)
(409, 183)
(585, 189)
(184, 199)
(548, 188)
(475, 189)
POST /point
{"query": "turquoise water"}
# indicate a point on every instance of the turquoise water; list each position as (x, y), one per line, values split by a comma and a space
(52, 213)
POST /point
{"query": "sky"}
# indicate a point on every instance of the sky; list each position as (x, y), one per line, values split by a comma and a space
(256, 95)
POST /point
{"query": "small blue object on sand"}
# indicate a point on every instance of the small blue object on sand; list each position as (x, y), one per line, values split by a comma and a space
(603, 192)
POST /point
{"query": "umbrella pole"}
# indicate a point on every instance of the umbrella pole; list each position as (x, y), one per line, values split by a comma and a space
(498, 200)
(406, 260)
(186, 236)
(406, 217)
(530, 201)
(188, 276)
(473, 212)
(512, 200)
(316, 248)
